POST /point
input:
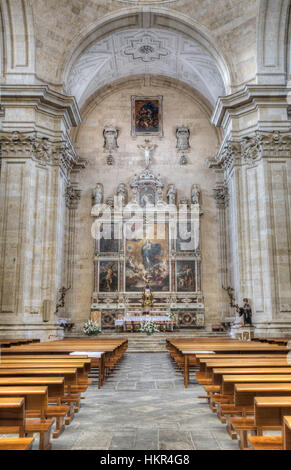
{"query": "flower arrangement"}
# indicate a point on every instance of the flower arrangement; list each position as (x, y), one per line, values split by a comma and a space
(91, 328)
(171, 315)
(149, 328)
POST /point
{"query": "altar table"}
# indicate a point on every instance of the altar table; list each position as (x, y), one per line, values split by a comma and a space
(143, 318)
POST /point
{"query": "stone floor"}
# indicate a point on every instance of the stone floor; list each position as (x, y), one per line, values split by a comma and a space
(144, 406)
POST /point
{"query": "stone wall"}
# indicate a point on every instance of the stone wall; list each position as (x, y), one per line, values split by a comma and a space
(179, 109)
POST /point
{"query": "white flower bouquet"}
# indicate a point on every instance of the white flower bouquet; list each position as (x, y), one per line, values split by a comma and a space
(149, 328)
(91, 328)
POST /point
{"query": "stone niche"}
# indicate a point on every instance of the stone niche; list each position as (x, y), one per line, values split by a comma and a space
(149, 240)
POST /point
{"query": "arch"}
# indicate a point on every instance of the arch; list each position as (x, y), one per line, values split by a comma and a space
(272, 41)
(154, 19)
(153, 81)
(19, 39)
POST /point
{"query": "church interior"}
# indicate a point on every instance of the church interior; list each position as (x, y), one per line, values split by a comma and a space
(145, 248)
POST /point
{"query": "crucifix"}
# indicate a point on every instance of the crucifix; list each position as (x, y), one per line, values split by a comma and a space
(147, 148)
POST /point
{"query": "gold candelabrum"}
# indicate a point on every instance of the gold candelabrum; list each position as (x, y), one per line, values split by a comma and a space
(147, 297)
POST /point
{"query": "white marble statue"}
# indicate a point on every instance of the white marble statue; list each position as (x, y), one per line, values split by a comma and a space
(172, 193)
(97, 194)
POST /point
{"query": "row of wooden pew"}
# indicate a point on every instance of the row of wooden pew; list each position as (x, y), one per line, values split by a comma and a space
(6, 343)
(41, 386)
(248, 385)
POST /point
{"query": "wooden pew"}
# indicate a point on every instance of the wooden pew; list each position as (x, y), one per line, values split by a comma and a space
(16, 444)
(36, 401)
(269, 415)
(12, 415)
(111, 351)
(56, 394)
(287, 433)
(187, 350)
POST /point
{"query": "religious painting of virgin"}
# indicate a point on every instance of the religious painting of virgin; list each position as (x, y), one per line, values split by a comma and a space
(186, 276)
(108, 277)
(147, 262)
(147, 116)
(109, 238)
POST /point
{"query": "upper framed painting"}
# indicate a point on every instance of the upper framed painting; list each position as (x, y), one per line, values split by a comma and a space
(147, 115)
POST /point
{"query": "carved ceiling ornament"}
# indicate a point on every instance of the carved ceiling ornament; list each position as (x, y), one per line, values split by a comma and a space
(146, 47)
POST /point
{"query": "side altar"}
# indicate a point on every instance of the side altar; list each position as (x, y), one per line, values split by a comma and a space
(144, 237)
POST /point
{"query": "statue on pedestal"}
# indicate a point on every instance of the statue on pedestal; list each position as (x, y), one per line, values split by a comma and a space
(245, 312)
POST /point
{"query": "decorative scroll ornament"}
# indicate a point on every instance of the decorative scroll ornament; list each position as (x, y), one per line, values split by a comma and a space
(183, 143)
(183, 136)
(110, 135)
(265, 143)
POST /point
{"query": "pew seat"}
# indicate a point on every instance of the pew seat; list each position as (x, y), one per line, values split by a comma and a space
(43, 428)
(266, 442)
(18, 443)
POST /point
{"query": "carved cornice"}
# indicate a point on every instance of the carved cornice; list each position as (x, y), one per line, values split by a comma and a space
(248, 99)
(42, 98)
(41, 149)
(73, 197)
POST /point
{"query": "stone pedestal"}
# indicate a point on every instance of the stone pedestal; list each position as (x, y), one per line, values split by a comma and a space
(243, 333)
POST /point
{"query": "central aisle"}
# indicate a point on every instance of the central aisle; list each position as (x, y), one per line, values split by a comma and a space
(144, 406)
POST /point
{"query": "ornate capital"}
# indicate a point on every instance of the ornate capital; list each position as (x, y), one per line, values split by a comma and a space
(228, 156)
(41, 149)
(265, 144)
(221, 195)
(73, 197)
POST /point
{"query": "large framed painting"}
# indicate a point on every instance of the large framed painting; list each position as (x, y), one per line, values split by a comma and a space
(186, 276)
(147, 116)
(147, 261)
(109, 238)
(108, 276)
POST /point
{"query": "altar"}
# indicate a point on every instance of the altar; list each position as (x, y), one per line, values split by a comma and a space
(145, 236)
(162, 321)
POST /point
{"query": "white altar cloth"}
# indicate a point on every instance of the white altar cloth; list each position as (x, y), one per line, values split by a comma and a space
(97, 354)
(143, 318)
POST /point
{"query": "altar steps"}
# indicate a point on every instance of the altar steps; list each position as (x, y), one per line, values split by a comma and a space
(141, 343)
